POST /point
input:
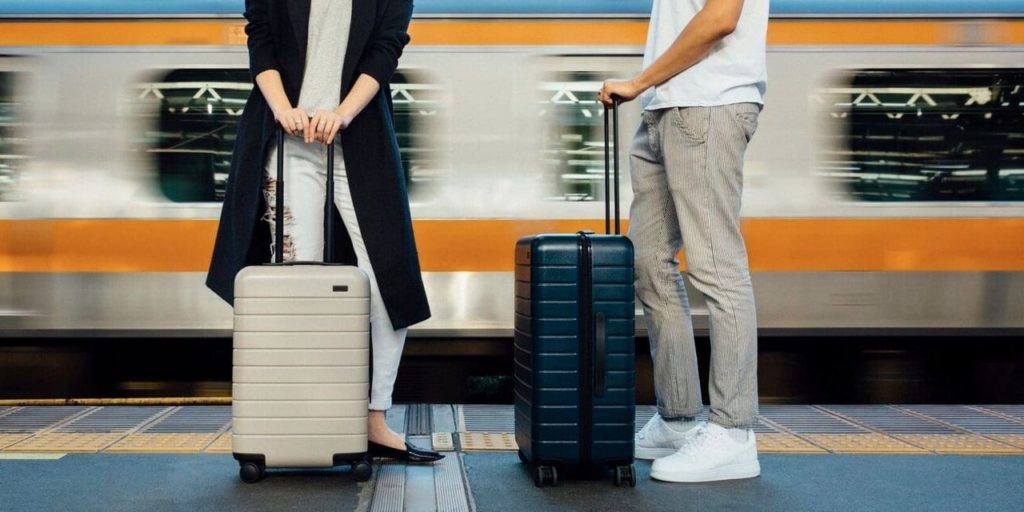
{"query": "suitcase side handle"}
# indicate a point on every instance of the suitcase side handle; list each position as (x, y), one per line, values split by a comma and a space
(611, 165)
(279, 204)
(600, 353)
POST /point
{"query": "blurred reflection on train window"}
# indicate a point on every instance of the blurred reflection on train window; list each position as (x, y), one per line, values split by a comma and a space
(574, 144)
(927, 135)
(416, 101)
(195, 115)
(12, 143)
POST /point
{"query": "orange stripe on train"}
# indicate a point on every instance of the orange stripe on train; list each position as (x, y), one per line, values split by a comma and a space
(810, 245)
(520, 32)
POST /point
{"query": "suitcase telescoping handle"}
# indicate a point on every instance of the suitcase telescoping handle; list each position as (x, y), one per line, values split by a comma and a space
(279, 206)
(611, 165)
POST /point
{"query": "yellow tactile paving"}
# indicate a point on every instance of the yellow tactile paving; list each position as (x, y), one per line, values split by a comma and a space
(48, 441)
(9, 439)
(68, 442)
(959, 444)
(443, 442)
(861, 443)
(1011, 439)
(163, 443)
(488, 441)
(221, 445)
(784, 443)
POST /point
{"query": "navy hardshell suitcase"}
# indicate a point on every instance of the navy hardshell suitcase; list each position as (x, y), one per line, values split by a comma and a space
(575, 375)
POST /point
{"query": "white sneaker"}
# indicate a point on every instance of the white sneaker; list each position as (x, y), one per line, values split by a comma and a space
(657, 439)
(713, 454)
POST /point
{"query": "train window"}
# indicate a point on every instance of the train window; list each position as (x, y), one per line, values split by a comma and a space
(927, 135)
(12, 143)
(195, 115)
(416, 101)
(574, 146)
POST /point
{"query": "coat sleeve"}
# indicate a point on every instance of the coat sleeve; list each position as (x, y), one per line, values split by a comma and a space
(380, 59)
(260, 38)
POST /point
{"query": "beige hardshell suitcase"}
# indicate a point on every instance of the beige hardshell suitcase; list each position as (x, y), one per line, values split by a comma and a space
(301, 364)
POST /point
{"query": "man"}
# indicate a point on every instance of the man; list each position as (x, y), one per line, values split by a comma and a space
(703, 86)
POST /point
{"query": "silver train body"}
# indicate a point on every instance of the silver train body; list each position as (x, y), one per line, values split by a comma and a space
(483, 121)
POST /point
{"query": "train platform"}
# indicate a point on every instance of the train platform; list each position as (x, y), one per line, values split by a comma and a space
(843, 457)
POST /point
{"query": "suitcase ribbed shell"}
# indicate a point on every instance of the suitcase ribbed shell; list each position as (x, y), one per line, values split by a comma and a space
(301, 363)
(551, 393)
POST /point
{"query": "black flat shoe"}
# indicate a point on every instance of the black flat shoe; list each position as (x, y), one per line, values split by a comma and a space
(409, 454)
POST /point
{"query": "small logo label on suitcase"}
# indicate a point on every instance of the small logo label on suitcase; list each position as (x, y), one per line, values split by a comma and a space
(340, 288)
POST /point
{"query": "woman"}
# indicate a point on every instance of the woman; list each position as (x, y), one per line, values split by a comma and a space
(322, 69)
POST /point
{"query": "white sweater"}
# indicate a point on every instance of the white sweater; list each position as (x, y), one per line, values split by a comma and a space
(329, 24)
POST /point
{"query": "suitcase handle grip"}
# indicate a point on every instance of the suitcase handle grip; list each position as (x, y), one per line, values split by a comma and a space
(279, 204)
(600, 353)
(308, 264)
(611, 164)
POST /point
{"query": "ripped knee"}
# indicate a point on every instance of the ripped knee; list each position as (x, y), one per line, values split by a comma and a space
(270, 216)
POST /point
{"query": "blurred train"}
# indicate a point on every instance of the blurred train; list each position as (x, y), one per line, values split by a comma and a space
(884, 187)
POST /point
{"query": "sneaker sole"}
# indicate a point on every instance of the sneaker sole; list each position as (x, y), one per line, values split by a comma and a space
(645, 453)
(730, 472)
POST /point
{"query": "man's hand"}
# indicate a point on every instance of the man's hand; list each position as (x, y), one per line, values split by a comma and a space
(618, 91)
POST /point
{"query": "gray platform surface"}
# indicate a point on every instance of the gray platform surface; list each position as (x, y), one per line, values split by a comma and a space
(158, 483)
(830, 483)
(205, 482)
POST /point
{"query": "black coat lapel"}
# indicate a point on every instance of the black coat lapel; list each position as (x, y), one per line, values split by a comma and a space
(298, 13)
(364, 16)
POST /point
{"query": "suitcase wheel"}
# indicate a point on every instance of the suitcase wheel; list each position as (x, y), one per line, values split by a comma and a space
(361, 471)
(545, 475)
(625, 475)
(250, 472)
(522, 458)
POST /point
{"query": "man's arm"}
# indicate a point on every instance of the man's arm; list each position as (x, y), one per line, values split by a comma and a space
(713, 23)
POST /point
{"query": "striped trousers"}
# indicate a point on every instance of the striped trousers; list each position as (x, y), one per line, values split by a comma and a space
(687, 177)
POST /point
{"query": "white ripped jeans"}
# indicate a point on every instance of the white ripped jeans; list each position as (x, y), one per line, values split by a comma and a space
(305, 179)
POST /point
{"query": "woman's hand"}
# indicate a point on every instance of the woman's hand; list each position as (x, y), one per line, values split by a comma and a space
(618, 90)
(293, 120)
(325, 126)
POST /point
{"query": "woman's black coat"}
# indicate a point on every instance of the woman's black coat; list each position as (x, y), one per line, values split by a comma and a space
(277, 31)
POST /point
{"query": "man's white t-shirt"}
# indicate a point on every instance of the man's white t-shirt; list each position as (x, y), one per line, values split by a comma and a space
(733, 72)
